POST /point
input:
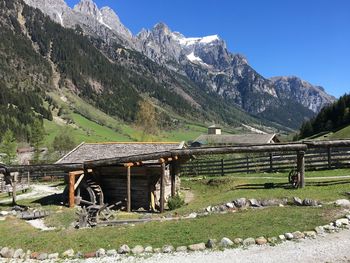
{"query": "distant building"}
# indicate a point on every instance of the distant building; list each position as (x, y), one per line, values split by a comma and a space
(214, 130)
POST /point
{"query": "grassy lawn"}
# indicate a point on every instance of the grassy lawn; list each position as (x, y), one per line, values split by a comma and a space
(266, 222)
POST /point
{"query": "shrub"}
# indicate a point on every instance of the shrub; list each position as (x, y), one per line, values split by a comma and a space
(175, 202)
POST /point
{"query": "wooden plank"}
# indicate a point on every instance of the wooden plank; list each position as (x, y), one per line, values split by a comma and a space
(162, 188)
(173, 172)
(128, 189)
(71, 189)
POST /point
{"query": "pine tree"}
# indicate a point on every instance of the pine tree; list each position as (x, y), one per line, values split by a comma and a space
(8, 147)
(36, 138)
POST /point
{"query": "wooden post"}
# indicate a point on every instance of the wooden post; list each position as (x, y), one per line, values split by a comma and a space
(162, 186)
(222, 167)
(128, 190)
(14, 188)
(329, 157)
(271, 162)
(71, 189)
(301, 167)
(173, 171)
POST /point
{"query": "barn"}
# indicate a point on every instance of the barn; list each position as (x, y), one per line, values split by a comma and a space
(131, 186)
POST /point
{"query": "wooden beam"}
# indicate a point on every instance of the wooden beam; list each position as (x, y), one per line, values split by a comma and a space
(173, 173)
(162, 188)
(14, 189)
(301, 167)
(128, 164)
(321, 144)
(45, 167)
(128, 189)
(162, 160)
(71, 201)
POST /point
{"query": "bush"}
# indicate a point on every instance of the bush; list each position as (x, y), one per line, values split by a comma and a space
(175, 202)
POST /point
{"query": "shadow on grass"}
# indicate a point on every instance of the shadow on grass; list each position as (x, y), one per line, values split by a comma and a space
(286, 185)
(54, 199)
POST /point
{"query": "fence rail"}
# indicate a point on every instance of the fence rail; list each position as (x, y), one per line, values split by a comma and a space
(315, 159)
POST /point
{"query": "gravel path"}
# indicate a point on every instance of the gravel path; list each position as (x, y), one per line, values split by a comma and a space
(329, 248)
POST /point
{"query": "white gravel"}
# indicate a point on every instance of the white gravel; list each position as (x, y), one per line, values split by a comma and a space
(39, 224)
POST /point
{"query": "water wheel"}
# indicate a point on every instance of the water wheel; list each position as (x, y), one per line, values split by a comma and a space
(294, 178)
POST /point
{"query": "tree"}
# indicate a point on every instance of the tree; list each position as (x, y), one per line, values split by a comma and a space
(146, 119)
(8, 147)
(37, 133)
(63, 143)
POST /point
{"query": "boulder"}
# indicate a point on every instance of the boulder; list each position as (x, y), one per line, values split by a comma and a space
(208, 209)
(100, 253)
(53, 256)
(297, 201)
(319, 230)
(148, 249)
(341, 222)
(238, 241)
(241, 202)
(168, 249)
(310, 202)
(282, 237)
(197, 247)
(211, 243)
(7, 252)
(288, 236)
(272, 202)
(254, 203)
(272, 240)
(34, 255)
(181, 249)
(123, 249)
(42, 256)
(192, 215)
(18, 254)
(343, 203)
(298, 235)
(137, 250)
(261, 241)
(248, 241)
(226, 242)
(157, 250)
(68, 253)
(230, 205)
(310, 234)
(222, 208)
(329, 228)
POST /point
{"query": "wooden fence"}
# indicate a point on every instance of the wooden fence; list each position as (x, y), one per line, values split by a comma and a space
(315, 159)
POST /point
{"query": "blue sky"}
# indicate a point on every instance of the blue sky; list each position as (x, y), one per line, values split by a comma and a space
(306, 38)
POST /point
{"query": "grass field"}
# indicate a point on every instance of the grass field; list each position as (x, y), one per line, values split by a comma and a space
(266, 222)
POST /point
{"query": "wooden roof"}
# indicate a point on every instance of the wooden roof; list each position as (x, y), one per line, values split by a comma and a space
(236, 139)
(97, 151)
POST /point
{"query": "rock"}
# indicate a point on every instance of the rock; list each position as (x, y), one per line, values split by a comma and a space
(272, 240)
(157, 250)
(319, 230)
(329, 228)
(248, 241)
(124, 249)
(222, 208)
(288, 236)
(7, 252)
(19, 253)
(181, 249)
(2, 218)
(211, 243)
(208, 209)
(261, 241)
(192, 215)
(343, 203)
(100, 253)
(282, 237)
(254, 203)
(310, 234)
(298, 235)
(68, 253)
(241, 202)
(111, 253)
(167, 249)
(273, 202)
(297, 201)
(90, 255)
(148, 249)
(137, 250)
(341, 222)
(348, 217)
(226, 242)
(238, 241)
(34, 255)
(4, 213)
(310, 202)
(230, 205)
(53, 256)
(27, 255)
(42, 256)
(197, 247)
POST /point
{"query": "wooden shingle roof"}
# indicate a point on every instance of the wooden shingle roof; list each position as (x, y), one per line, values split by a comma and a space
(235, 139)
(97, 151)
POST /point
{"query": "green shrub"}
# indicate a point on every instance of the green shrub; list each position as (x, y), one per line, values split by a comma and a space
(175, 202)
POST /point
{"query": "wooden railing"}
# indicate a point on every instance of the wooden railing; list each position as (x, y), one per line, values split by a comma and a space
(315, 159)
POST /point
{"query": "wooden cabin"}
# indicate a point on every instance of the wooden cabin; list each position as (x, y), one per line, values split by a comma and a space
(110, 183)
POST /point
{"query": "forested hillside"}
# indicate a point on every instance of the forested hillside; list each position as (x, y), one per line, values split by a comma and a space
(330, 118)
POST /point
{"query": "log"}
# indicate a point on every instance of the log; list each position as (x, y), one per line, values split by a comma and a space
(71, 189)
(128, 189)
(162, 188)
(320, 144)
(45, 167)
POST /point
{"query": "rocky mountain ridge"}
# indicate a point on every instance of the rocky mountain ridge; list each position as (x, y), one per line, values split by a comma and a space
(206, 61)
